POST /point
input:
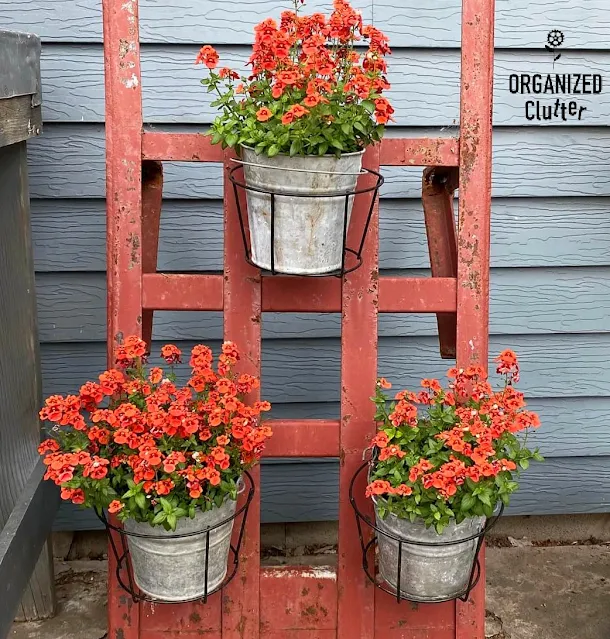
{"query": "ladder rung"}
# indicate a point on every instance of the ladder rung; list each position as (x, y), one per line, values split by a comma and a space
(182, 292)
(420, 152)
(198, 292)
(180, 147)
(195, 147)
(303, 438)
(417, 295)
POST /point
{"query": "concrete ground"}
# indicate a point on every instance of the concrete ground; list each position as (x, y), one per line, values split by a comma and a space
(533, 591)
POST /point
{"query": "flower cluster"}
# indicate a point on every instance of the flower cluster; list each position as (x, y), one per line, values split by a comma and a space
(136, 443)
(451, 454)
(310, 92)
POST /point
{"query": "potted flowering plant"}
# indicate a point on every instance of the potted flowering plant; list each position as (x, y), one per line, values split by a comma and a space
(165, 460)
(443, 461)
(301, 121)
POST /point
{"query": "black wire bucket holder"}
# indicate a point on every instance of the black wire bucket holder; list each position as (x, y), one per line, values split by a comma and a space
(370, 533)
(351, 256)
(124, 570)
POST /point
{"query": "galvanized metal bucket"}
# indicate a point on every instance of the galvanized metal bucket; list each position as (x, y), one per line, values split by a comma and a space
(171, 565)
(308, 232)
(431, 571)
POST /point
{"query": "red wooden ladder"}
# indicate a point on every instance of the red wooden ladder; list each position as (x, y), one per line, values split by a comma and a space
(299, 603)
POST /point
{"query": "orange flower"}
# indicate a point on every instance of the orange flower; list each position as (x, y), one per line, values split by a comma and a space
(383, 383)
(378, 487)
(171, 354)
(295, 111)
(225, 72)
(403, 490)
(263, 114)
(312, 100)
(48, 446)
(208, 56)
(381, 440)
(391, 451)
(277, 90)
(115, 506)
(155, 375)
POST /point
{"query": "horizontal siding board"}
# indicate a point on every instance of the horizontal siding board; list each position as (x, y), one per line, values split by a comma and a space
(519, 23)
(72, 306)
(425, 85)
(307, 370)
(293, 492)
(570, 425)
(70, 235)
(68, 162)
(557, 486)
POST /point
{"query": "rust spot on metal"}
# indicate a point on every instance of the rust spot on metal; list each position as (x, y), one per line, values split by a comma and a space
(195, 617)
(304, 592)
(469, 142)
(324, 611)
(123, 48)
(310, 611)
(119, 634)
(133, 241)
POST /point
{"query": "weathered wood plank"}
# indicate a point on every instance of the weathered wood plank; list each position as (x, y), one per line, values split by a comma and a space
(19, 120)
(294, 491)
(68, 161)
(70, 235)
(21, 540)
(425, 85)
(519, 23)
(20, 390)
(72, 307)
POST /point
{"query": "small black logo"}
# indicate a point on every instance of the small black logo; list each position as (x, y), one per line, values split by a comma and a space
(555, 39)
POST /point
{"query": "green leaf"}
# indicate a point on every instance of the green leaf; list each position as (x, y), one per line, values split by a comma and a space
(485, 499)
(369, 105)
(274, 149)
(171, 520)
(159, 518)
(359, 126)
(231, 139)
(296, 147)
(167, 507)
(346, 128)
(141, 500)
(524, 463)
(468, 502)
